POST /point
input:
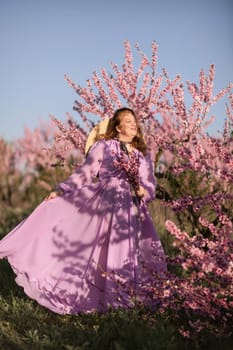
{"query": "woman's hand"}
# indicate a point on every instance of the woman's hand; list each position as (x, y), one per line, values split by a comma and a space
(141, 192)
(52, 195)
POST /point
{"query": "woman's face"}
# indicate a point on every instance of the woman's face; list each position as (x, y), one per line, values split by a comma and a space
(127, 129)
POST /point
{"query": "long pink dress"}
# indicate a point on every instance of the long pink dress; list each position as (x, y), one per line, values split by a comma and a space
(75, 252)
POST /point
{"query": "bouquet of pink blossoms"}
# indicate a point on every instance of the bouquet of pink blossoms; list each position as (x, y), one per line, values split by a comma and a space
(130, 164)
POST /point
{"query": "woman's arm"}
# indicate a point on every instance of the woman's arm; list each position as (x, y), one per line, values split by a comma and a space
(147, 178)
(86, 172)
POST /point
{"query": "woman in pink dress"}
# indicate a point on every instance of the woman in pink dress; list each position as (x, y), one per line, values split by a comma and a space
(89, 242)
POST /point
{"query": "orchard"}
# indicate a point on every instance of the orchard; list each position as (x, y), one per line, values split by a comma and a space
(193, 211)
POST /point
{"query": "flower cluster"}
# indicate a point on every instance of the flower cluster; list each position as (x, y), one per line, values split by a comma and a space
(130, 165)
(197, 203)
(208, 270)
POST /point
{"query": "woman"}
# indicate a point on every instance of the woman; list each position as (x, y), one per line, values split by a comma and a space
(93, 239)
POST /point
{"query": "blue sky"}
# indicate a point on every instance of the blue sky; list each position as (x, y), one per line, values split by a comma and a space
(40, 41)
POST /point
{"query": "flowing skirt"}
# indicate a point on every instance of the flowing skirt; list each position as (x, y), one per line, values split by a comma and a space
(75, 252)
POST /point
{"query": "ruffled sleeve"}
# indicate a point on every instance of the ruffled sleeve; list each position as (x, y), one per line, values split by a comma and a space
(147, 178)
(85, 174)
